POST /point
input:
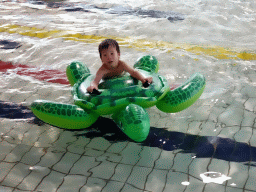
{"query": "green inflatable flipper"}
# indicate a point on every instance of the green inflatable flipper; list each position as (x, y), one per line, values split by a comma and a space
(63, 115)
(183, 96)
(134, 122)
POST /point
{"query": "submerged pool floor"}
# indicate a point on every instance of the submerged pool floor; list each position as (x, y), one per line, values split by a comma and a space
(209, 147)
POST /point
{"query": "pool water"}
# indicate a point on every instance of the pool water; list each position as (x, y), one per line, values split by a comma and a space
(210, 146)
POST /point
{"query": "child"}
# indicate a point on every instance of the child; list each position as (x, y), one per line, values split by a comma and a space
(112, 65)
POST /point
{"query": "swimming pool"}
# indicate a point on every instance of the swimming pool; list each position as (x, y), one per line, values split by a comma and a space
(208, 147)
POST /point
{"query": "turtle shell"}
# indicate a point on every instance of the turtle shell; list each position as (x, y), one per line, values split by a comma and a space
(117, 93)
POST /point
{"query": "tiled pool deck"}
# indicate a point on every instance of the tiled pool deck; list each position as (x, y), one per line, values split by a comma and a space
(214, 135)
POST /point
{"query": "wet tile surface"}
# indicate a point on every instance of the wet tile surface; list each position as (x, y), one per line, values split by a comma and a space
(210, 145)
(43, 157)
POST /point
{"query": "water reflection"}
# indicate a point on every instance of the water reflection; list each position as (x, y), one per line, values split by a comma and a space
(214, 177)
(117, 10)
(185, 183)
(6, 44)
(14, 111)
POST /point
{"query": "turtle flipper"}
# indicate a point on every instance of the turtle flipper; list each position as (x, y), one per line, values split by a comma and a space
(148, 63)
(63, 115)
(75, 71)
(134, 122)
(183, 96)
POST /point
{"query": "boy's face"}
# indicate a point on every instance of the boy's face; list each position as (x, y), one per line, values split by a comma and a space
(110, 57)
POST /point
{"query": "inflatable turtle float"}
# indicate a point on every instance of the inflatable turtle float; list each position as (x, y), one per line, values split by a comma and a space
(124, 97)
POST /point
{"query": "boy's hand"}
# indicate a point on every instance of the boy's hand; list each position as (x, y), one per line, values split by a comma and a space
(93, 86)
(148, 79)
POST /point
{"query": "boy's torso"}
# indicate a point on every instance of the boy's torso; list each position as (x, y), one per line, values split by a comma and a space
(118, 71)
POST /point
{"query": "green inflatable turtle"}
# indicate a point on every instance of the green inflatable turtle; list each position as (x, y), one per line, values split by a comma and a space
(124, 97)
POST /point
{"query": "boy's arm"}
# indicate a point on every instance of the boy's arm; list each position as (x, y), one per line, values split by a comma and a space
(100, 73)
(136, 74)
(98, 77)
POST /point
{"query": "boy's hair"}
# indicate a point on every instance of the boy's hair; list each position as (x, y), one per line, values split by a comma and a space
(108, 42)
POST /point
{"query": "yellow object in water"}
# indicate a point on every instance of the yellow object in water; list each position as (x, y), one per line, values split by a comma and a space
(140, 44)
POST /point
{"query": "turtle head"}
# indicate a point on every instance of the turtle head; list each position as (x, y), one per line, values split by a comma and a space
(148, 63)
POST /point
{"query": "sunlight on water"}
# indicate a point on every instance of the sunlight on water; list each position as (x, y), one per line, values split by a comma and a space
(214, 177)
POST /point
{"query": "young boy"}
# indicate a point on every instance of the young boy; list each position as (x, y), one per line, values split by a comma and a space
(112, 65)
